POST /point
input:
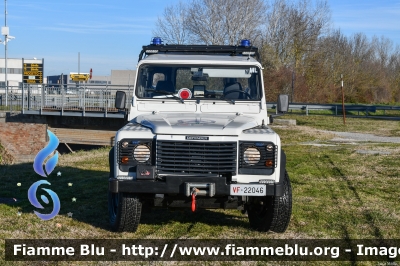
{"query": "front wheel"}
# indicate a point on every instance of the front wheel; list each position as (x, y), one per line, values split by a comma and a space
(272, 213)
(124, 211)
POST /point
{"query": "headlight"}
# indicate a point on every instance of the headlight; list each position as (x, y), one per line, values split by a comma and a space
(251, 156)
(141, 153)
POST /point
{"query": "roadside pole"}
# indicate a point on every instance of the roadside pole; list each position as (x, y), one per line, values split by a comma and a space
(343, 109)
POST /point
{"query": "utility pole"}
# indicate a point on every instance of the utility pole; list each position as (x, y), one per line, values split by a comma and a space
(292, 85)
(79, 62)
(343, 110)
(6, 33)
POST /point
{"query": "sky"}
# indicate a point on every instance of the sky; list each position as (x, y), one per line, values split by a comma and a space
(108, 35)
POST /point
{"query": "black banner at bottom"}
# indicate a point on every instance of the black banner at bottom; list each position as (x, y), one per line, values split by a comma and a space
(204, 249)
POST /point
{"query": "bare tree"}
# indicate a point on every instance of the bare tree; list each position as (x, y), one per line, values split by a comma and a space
(394, 68)
(212, 21)
(205, 22)
(294, 28)
(171, 27)
(243, 19)
(277, 36)
(383, 49)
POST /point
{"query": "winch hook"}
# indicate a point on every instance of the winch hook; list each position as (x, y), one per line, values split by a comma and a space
(194, 193)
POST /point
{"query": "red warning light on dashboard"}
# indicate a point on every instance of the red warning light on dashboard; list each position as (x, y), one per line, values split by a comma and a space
(185, 94)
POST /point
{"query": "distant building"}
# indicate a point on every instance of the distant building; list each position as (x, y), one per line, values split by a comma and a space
(57, 79)
(123, 77)
(100, 80)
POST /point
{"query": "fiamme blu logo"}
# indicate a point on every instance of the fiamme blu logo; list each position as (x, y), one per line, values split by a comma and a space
(45, 171)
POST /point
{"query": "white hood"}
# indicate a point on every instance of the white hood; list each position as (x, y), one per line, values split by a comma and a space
(197, 124)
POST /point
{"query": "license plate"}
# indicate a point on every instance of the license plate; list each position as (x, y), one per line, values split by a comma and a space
(248, 190)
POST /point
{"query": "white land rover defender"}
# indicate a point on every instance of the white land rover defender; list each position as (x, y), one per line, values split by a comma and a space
(198, 137)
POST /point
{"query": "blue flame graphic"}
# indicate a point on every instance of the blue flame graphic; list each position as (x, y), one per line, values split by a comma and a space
(33, 200)
(38, 167)
(41, 156)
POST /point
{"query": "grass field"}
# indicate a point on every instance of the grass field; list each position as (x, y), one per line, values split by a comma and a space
(337, 194)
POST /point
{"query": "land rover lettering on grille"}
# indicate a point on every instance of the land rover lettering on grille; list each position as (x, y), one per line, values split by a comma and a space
(197, 138)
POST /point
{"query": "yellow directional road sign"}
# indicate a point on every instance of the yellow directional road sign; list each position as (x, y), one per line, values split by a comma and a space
(79, 77)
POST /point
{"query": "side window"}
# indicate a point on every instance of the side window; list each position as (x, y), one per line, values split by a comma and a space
(157, 77)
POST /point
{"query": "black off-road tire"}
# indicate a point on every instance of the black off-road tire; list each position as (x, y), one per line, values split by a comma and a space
(124, 211)
(111, 162)
(272, 213)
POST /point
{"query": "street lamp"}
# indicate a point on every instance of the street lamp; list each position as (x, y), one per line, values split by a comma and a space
(6, 32)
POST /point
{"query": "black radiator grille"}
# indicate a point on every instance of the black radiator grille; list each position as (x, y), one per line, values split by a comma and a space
(173, 157)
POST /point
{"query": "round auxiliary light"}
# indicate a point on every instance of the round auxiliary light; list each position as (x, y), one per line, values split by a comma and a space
(141, 153)
(270, 147)
(185, 93)
(125, 144)
(245, 43)
(251, 156)
(156, 41)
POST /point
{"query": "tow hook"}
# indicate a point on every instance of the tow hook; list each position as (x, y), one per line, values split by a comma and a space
(194, 193)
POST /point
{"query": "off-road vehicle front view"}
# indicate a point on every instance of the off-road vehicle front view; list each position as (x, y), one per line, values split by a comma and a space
(198, 137)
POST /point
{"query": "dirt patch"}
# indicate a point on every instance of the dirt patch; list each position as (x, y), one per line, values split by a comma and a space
(307, 132)
(5, 158)
(373, 152)
(361, 137)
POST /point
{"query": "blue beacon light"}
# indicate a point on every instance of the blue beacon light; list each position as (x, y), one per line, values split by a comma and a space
(245, 43)
(156, 41)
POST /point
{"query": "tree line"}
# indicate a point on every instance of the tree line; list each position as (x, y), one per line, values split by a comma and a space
(302, 54)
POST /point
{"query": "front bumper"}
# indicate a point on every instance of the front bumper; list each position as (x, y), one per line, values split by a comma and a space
(176, 185)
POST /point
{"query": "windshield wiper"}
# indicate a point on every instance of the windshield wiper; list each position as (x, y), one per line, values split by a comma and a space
(167, 93)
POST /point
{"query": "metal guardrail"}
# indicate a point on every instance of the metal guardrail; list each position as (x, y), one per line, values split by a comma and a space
(67, 100)
(336, 108)
(331, 107)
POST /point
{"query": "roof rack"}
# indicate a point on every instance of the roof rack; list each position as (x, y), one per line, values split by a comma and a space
(200, 49)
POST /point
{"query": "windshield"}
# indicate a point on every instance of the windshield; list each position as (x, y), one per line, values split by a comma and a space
(199, 82)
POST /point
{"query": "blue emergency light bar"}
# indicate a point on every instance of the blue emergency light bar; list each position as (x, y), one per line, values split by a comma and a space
(244, 49)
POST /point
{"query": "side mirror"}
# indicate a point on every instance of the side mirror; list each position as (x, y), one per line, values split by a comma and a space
(283, 103)
(120, 100)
